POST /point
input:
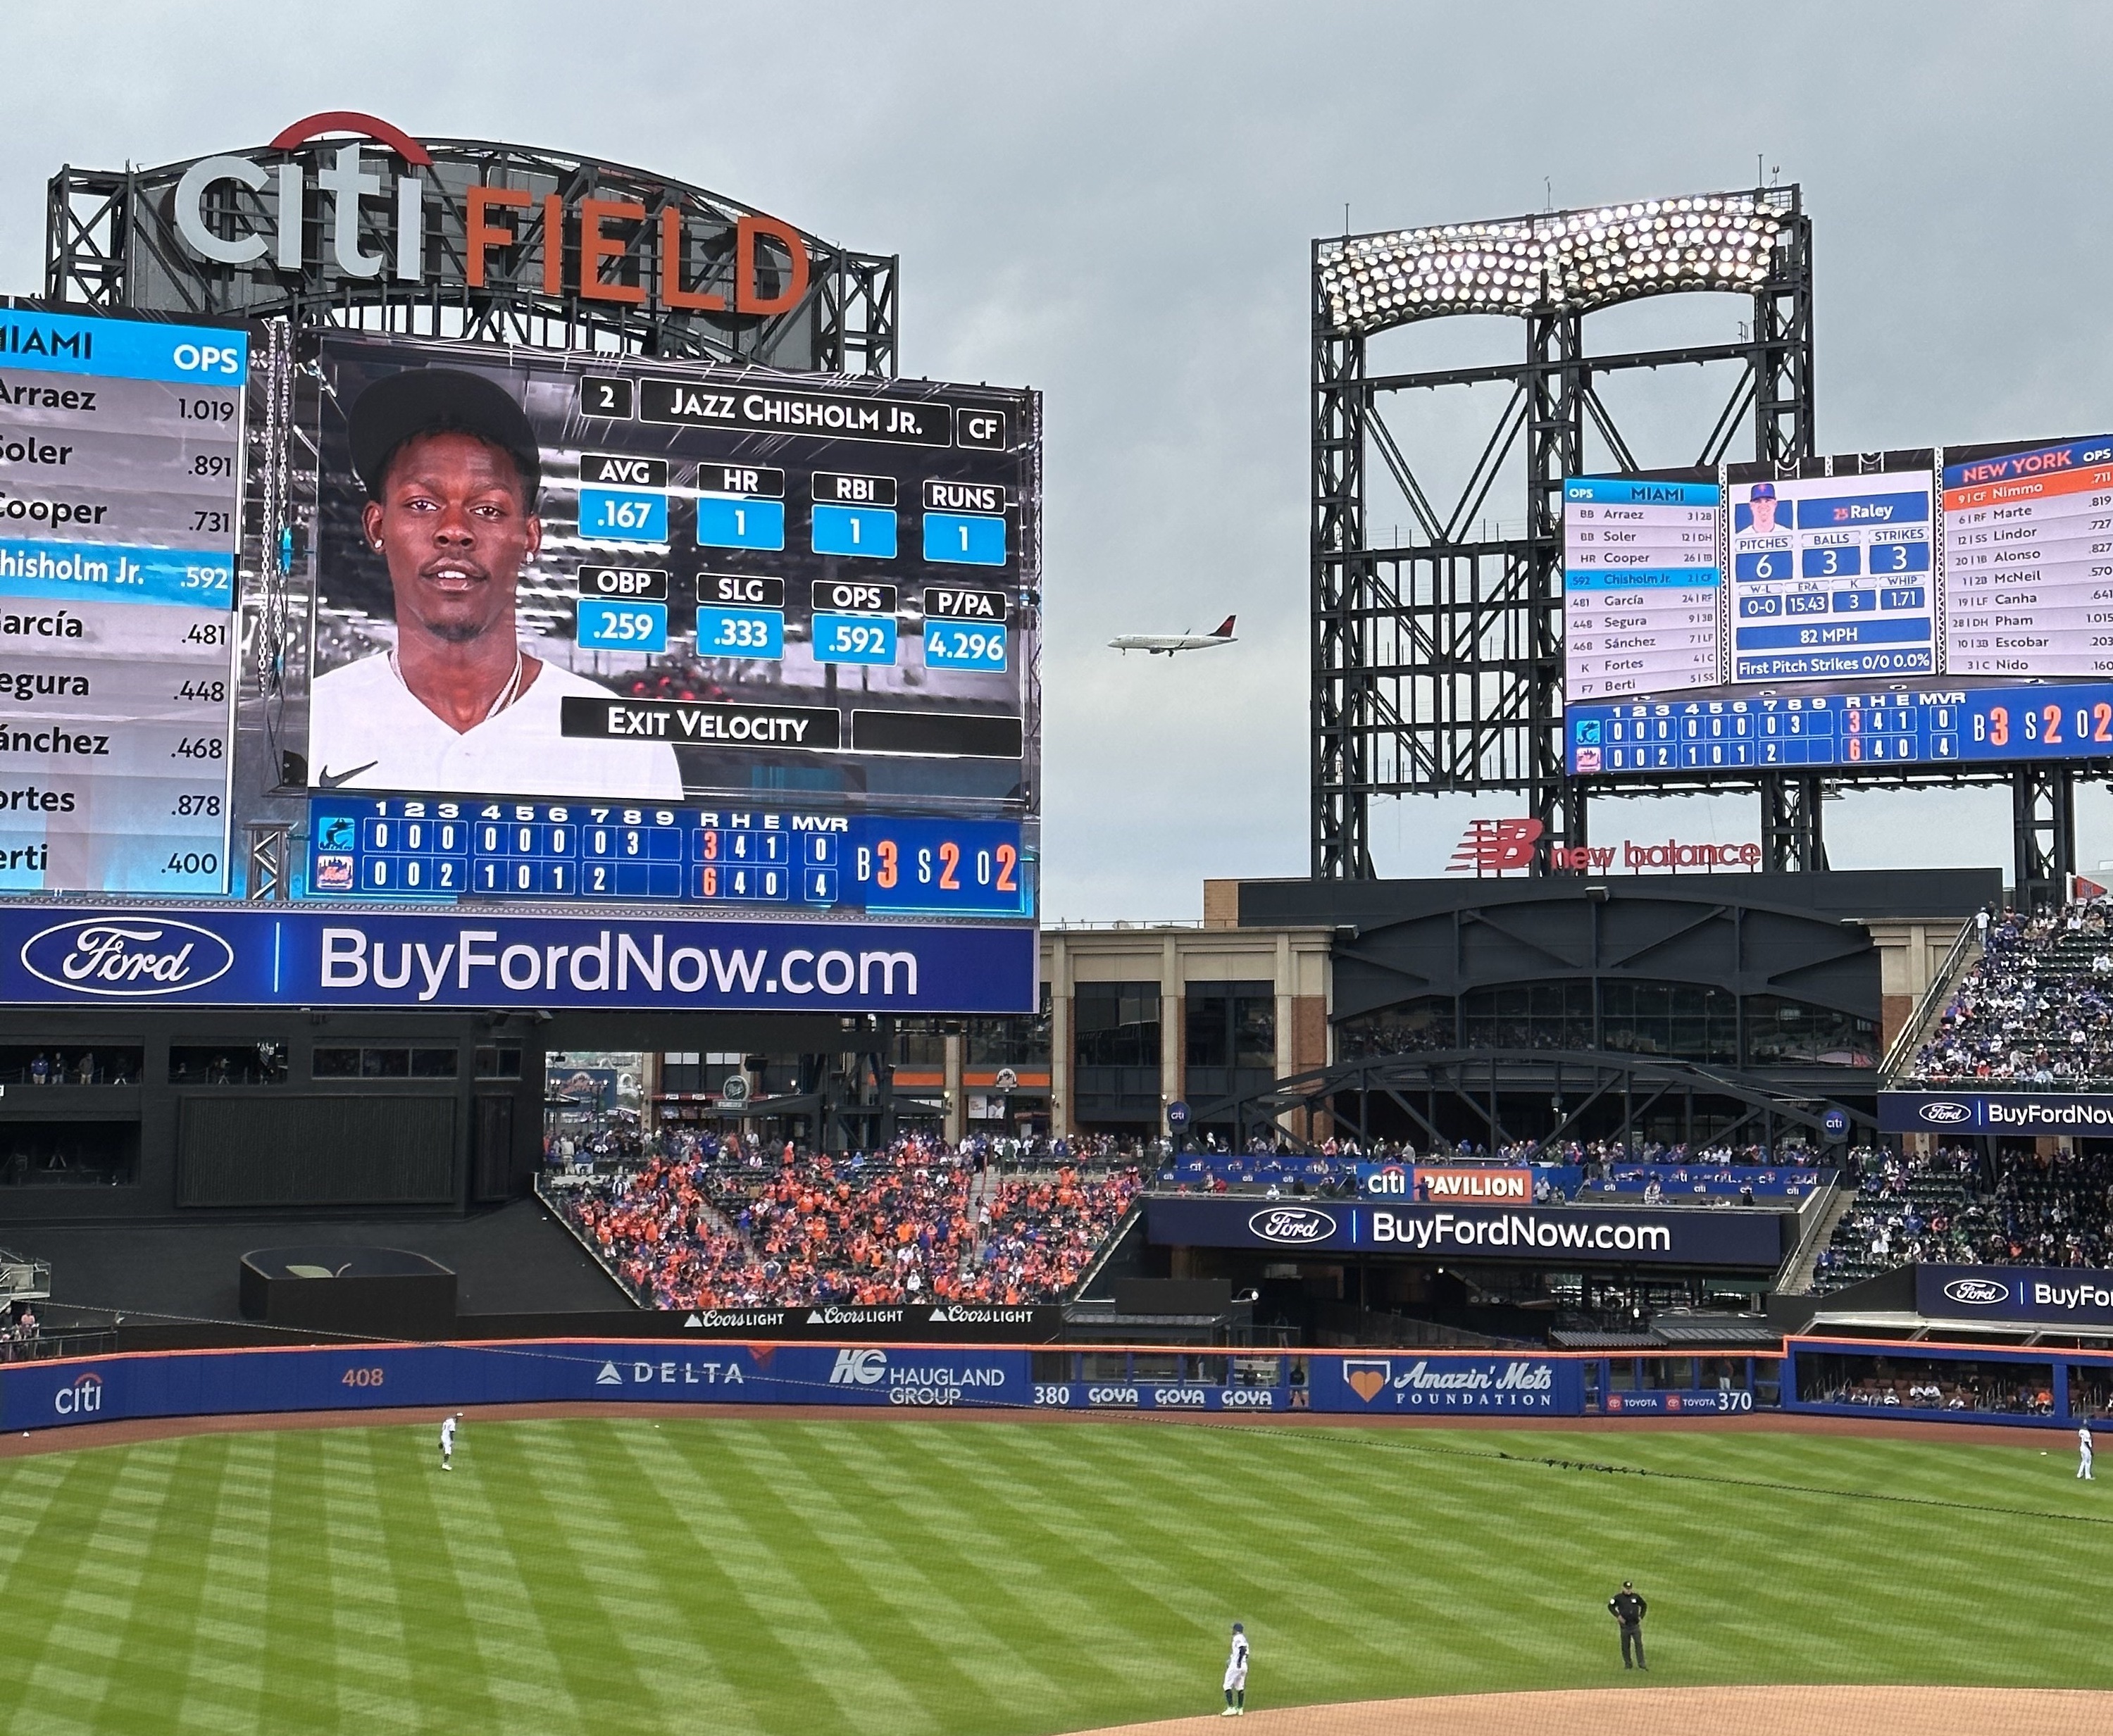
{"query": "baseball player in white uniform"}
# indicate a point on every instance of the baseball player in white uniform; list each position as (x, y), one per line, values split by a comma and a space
(2083, 1450)
(454, 476)
(1236, 1675)
(447, 1440)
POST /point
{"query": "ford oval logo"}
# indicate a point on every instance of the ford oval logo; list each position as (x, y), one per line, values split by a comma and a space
(1292, 1223)
(1977, 1292)
(1944, 1115)
(127, 957)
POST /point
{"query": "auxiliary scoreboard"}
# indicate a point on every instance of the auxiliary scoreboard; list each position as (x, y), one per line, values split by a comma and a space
(1910, 609)
(121, 465)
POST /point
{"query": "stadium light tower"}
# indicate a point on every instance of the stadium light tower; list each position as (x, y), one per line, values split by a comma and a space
(1437, 657)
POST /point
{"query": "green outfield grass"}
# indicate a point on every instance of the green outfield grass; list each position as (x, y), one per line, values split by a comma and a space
(884, 1576)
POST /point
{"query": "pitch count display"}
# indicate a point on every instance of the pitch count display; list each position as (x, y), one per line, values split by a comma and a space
(1896, 611)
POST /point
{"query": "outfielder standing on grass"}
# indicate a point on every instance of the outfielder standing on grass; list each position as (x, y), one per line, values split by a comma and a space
(448, 1440)
(2084, 1453)
(1236, 1675)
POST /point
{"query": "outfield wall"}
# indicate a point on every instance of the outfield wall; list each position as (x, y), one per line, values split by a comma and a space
(180, 1383)
(2040, 1388)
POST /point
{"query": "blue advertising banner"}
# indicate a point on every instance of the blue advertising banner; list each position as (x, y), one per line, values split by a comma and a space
(1731, 1236)
(492, 957)
(2042, 1296)
(1545, 1386)
(1942, 1112)
(47, 1394)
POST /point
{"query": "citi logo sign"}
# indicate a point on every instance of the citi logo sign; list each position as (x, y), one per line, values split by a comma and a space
(1977, 1292)
(1945, 1113)
(233, 210)
(1293, 1225)
(83, 1397)
(859, 1369)
(127, 958)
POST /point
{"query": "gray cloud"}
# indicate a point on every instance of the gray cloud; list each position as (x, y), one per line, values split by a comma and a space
(1114, 202)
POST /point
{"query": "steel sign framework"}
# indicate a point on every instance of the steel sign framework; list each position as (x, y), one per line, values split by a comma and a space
(1437, 654)
(113, 243)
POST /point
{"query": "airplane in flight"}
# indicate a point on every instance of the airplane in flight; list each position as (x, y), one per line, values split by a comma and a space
(1166, 644)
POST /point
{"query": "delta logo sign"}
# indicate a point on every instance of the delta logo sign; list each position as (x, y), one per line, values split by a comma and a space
(1494, 848)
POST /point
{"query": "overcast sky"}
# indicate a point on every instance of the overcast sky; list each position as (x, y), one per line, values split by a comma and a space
(1115, 204)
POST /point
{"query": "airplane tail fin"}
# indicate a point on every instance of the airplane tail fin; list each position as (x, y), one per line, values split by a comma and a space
(1225, 629)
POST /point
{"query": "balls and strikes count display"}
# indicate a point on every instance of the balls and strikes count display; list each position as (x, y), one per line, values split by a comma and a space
(1893, 611)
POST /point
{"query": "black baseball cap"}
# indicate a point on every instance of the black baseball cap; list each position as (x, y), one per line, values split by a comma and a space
(436, 400)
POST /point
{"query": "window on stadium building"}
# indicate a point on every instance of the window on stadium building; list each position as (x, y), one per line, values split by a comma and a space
(383, 1061)
(1426, 1022)
(1681, 1021)
(919, 1042)
(1021, 1040)
(1117, 1024)
(1528, 1015)
(1783, 1032)
(1230, 1024)
(498, 1061)
(225, 1064)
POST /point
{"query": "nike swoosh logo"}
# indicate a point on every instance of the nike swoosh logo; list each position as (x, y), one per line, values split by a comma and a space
(327, 779)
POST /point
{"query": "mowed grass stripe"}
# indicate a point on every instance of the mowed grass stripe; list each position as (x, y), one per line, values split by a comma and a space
(52, 1557)
(160, 1635)
(443, 1656)
(1046, 1570)
(587, 1478)
(758, 1577)
(820, 1550)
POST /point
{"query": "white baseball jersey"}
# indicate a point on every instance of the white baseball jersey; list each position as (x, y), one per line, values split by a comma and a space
(367, 730)
(1236, 1666)
(2083, 1441)
(448, 1435)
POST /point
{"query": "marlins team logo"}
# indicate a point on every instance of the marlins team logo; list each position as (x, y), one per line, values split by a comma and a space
(1367, 1377)
(131, 959)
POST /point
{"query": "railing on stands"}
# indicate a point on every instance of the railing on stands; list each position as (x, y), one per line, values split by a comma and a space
(51, 1347)
(1909, 1038)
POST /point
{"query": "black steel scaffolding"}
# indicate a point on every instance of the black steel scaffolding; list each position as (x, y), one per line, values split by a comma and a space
(1437, 656)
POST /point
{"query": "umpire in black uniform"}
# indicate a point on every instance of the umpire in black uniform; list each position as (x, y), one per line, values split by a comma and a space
(1629, 1609)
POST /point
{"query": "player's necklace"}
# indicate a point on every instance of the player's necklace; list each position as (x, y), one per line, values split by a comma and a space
(500, 700)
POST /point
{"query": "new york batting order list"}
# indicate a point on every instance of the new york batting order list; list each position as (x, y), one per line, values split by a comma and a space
(121, 484)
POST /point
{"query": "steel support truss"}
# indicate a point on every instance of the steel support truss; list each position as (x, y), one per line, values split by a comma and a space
(1583, 1087)
(1437, 656)
(2043, 834)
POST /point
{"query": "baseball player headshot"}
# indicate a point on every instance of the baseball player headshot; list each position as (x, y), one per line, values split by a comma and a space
(447, 1440)
(1236, 1675)
(1761, 503)
(453, 478)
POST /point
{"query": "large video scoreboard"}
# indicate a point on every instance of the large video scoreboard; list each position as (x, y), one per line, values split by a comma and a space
(1904, 610)
(585, 636)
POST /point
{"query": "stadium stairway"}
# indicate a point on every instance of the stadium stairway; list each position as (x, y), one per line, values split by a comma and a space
(1798, 1275)
(1908, 1041)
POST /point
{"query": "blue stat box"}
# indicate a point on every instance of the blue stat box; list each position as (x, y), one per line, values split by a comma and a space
(623, 515)
(399, 849)
(855, 639)
(741, 632)
(954, 644)
(603, 626)
(867, 531)
(965, 539)
(740, 521)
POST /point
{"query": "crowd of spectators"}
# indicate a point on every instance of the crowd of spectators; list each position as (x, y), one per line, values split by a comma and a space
(20, 1332)
(1954, 1208)
(722, 1227)
(2036, 1008)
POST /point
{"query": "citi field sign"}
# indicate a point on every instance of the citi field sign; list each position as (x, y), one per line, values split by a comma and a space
(349, 196)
